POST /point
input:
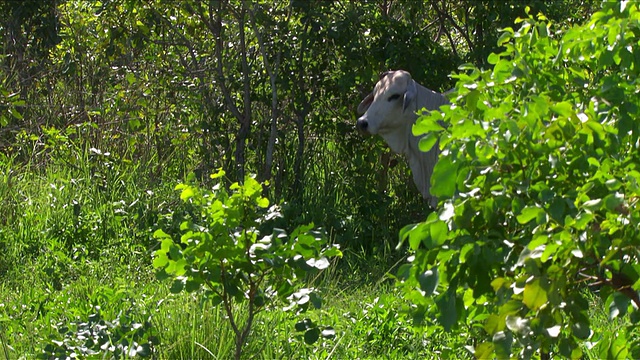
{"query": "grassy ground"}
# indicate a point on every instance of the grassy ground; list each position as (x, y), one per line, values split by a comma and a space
(76, 267)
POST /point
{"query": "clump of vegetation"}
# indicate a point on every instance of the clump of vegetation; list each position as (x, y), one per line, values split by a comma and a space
(220, 247)
(541, 179)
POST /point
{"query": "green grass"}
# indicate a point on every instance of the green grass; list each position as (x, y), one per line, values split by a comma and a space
(77, 255)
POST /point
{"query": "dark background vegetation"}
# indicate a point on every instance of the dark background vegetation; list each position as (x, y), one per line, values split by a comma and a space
(181, 86)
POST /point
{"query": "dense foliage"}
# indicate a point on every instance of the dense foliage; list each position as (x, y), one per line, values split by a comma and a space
(541, 180)
(106, 105)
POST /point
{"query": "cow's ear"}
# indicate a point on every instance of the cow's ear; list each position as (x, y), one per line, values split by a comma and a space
(364, 105)
(410, 94)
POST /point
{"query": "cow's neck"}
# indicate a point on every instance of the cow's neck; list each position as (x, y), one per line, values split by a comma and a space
(401, 140)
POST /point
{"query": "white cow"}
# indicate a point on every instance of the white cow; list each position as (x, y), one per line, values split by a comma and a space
(391, 110)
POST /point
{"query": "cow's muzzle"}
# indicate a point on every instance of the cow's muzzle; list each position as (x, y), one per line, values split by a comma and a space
(362, 125)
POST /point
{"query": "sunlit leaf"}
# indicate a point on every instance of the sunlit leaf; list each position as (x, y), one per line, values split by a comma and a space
(535, 295)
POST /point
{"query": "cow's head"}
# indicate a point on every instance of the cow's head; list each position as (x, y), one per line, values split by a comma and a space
(387, 108)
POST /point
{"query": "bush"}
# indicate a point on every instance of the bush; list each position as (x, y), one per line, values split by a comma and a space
(220, 248)
(540, 182)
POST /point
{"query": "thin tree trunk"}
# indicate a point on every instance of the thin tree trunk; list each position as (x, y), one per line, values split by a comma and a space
(301, 112)
(271, 71)
(245, 121)
(244, 117)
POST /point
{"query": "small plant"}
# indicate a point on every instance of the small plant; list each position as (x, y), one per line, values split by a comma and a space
(220, 248)
(121, 337)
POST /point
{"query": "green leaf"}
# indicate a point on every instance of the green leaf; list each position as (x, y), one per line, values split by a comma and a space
(484, 351)
(429, 280)
(311, 336)
(581, 330)
(177, 286)
(161, 260)
(446, 303)
(618, 305)
(316, 300)
(529, 213)
(493, 57)
(426, 124)
(303, 325)
(438, 231)
(160, 234)
(403, 234)
(494, 324)
(187, 193)
(427, 142)
(619, 348)
(592, 205)
(15, 113)
(417, 234)
(518, 325)
(263, 203)
(534, 295)
(613, 184)
(613, 201)
(443, 180)
(192, 285)
(502, 344)
(564, 108)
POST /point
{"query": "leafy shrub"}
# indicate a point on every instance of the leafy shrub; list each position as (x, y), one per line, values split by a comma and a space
(540, 177)
(220, 248)
(119, 337)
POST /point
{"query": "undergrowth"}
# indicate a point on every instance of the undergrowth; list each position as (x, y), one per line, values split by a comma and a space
(76, 276)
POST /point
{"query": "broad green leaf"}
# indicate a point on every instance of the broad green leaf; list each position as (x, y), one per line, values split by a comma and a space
(177, 286)
(217, 175)
(493, 57)
(443, 180)
(494, 324)
(613, 201)
(446, 303)
(502, 342)
(418, 234)
(619, 348)
(466, 252)
(484, 351)
(613, 184)
(160, 234)
(563, 109)
(426, 125)
(581, 330)
(427, 142)
(618, 305)
(534, 295)
(187, 193)
(263, 202)
(429, 281)
(161, 260)
(403, 234)
(592, 205)
(438, 231)
(15, 113)
(312, 335)
(529, 213)
(192, 285)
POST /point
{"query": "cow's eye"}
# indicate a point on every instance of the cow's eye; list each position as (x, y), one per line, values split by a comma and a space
(393, 97)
